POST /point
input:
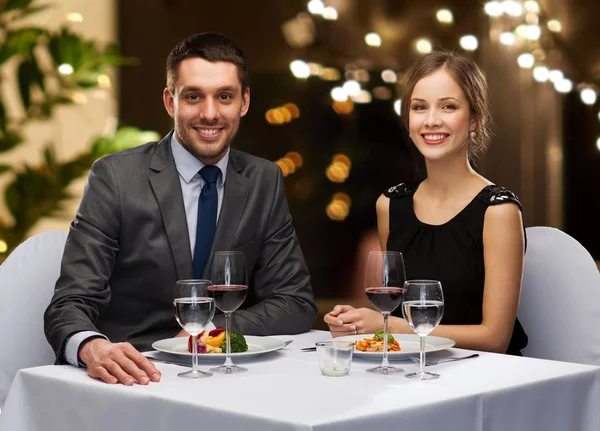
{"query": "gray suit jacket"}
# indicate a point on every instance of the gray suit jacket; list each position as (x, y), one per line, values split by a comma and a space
(129, 244)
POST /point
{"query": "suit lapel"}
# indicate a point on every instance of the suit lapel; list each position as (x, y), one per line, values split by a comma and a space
(164, 180)
(234, 202)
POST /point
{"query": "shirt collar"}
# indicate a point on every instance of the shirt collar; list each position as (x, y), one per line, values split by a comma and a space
(188, 165)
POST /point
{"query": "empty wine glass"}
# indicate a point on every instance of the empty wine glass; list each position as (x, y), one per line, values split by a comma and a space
(384, 286)
(423, 308)
(194, 309)
(229, 288)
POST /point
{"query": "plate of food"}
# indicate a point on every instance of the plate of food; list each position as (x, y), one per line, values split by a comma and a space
(212, 345)
(400, 346)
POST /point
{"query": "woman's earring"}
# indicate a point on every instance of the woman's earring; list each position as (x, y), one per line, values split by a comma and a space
(472, 134)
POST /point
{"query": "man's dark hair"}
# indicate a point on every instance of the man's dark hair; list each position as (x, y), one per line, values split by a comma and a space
(211, 47)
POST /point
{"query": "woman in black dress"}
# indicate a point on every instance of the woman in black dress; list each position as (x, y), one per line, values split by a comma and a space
(455, 226)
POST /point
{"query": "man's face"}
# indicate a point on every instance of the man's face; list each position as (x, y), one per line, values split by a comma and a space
(206, 103)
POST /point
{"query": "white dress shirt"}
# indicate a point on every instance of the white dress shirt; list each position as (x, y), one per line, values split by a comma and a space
(188, 167)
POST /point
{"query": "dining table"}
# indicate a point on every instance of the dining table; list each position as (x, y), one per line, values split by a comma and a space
(285, 390)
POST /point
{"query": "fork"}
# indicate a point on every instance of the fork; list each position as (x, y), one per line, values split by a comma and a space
(430, 362)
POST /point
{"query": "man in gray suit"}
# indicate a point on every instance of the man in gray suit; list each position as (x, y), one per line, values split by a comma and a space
(136, 231)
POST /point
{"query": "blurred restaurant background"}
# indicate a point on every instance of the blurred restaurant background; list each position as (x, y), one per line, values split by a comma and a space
(83, 78)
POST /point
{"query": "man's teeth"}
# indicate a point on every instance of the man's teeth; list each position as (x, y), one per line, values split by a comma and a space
(209, 131)
(434, 137)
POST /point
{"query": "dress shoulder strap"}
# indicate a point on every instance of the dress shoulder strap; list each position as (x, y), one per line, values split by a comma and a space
(401, 190)
(496, 195)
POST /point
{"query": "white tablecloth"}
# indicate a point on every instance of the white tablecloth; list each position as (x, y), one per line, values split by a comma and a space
(285, 391)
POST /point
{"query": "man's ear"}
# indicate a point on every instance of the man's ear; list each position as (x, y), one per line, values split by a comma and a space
(245, 102)
(169, 102)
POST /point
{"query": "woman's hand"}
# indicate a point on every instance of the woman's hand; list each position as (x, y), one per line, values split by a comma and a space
(347, 320)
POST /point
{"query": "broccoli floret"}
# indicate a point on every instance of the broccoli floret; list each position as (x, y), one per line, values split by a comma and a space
(238, 343)
(379, 336)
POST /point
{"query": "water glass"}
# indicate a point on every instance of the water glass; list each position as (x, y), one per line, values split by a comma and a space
(335, 357)
(423, 308)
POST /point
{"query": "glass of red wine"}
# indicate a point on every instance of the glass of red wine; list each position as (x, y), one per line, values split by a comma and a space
(194, 309)
(384, 286)
(229, 288)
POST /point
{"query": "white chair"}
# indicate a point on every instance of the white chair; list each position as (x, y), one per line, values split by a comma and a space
(560, 298)
(27, 279)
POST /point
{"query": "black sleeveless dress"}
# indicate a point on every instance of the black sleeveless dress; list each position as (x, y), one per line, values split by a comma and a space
(451, 253)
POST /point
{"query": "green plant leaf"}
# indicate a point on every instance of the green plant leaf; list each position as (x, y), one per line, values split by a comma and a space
(126, 137)
(2, 116)
(9, 140)
(15, 4)
(66, 48)
(49, 157)
(6, 52)
(23, 40)
(26, 77)
(30, 11)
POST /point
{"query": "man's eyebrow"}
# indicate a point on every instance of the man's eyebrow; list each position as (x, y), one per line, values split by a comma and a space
(189, 88)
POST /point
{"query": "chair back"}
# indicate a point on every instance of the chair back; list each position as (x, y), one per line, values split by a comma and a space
(27, 279)
(560, 298)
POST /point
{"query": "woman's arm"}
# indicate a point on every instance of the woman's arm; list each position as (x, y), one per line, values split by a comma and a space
(503, 252)
(382, 207)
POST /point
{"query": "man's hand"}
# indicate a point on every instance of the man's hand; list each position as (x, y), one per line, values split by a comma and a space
(183, 333)
(117, 362)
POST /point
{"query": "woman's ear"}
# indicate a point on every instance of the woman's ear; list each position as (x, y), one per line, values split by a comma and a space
(473, 124)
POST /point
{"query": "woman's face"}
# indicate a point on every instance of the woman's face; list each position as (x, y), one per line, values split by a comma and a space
(440, 116)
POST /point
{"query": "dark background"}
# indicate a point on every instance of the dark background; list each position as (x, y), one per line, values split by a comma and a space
(371, 136)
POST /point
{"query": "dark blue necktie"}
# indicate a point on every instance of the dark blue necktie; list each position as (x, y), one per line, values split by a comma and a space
(207, 218)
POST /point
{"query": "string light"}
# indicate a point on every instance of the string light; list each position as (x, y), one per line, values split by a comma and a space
(316, 7)
(512, 8)
(330, 13)
(423, 46)
(563, 85)
(598, 144)
(398, 106)
(362, 97)
(74, 17)
(373, 39)
(469, 42)
(532, 6)
(351, 87)
(588, 96)
(339, 207)
(338, 94)
(382, 93)
(541, 73)
(533, 32)
(507, 38)
(300, 69)
(444, 16)
(65, 69)
(554, 26)
(389, 76)
(493, 8)
(525, 60)
(555, 75)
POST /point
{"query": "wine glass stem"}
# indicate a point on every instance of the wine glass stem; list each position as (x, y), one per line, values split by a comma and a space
(228, 361)
(194, 353)
(384, 362)
(422, 355)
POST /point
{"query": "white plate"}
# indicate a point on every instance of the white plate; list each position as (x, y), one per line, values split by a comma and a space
(256, 346)
(409, 345)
